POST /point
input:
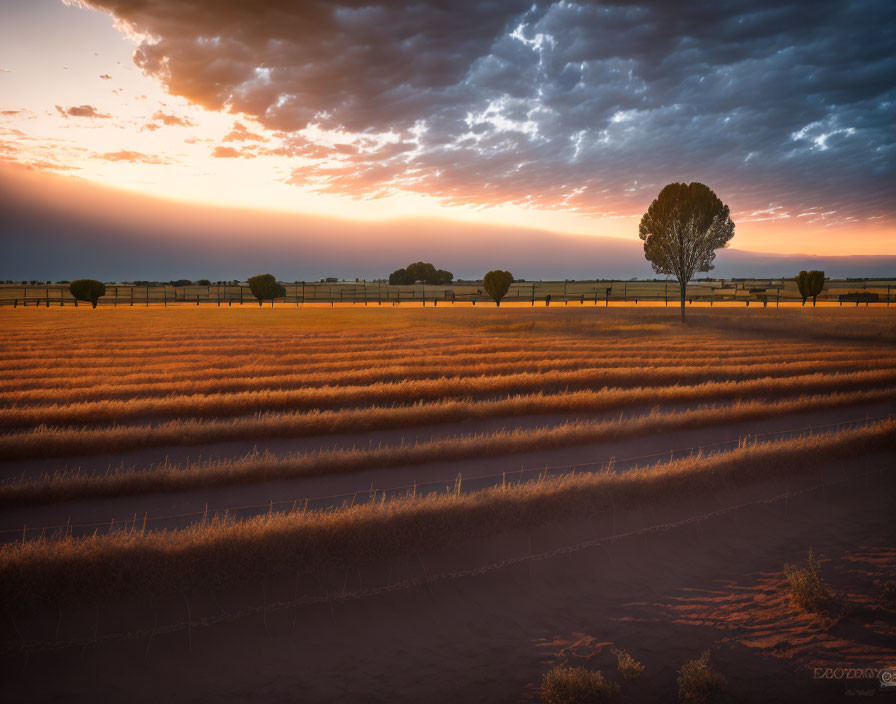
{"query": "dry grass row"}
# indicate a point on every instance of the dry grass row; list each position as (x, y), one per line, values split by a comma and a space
(404, 392)
(44, 574)
(260, 467)
(349, 374)
(60, 353)
(153, 371)
(49, 441)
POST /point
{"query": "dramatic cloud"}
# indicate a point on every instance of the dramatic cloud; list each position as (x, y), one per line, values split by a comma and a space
(241, 134)
(172, 120)
(785, 108)
(231, 153)
(132, 157)
(81, 111)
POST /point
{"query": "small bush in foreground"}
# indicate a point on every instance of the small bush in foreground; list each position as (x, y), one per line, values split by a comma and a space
(698, 682)
(574, 685)
(629, 668)
(807, 589)
(888, 594)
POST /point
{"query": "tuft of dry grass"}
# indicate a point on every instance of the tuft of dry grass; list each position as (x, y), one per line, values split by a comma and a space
(212, 555)
(698, 682)
(576, 685)
(807, 588)
(628, 667)
(888, 594)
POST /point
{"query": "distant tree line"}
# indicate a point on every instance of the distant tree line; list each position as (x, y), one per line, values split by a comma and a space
(420, 272)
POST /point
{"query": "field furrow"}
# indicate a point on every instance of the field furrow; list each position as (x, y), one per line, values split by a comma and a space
(352, 374)
(267, 467)
(51, 441)
(328, 396)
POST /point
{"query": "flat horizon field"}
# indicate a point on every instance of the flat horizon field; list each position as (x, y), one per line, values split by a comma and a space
(400, 503)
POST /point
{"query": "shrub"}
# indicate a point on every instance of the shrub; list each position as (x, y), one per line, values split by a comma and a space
(807, 589)
(423, 272)
(265, 286)
(698, 682)
(888, 593)
(629, 668)
(87, 290)
(497, 283)
(574, 685)
(810, 283)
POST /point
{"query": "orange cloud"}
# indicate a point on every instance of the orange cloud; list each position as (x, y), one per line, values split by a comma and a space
(81, 111)
(173, 120)
(231, 153)
(132, 157)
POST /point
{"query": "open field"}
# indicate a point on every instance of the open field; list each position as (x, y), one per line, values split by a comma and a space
(406, 504)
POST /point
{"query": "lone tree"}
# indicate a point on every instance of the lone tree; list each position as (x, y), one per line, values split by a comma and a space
(420, 271)
(682, 229)
(810, 283)
(497, 283)
(87, 290)
(265, 286)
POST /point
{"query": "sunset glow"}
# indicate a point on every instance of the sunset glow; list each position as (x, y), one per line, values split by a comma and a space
(518, 124)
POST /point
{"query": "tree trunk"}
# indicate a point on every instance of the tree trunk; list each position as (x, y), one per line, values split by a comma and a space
(683, 292)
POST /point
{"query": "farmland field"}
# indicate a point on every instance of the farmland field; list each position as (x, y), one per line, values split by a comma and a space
(407, 504)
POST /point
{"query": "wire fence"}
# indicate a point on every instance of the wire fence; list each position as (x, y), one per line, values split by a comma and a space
(426, 581)
(764, 292)
(455, 484)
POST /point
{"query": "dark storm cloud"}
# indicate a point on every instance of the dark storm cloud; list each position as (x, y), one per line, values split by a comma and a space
(784, 107)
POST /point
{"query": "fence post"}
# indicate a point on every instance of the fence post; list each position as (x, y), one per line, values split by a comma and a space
(48, 296)
(533, 294)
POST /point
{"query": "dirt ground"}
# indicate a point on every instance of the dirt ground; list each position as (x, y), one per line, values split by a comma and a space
(664, 596)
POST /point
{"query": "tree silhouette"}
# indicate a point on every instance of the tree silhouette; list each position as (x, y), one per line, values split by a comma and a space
(420, 271)
(87, 290)
(682, 229)
(497, 283)
(265, 286)
(810, 283)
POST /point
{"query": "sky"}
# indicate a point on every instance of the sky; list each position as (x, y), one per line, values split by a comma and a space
(548, 119)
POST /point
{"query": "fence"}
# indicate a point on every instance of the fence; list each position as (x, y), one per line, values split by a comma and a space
(763, 292)
(456, 484)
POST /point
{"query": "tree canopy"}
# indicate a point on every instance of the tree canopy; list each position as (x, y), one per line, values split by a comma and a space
(682, 229)
(810, 283)
(420, 272)
(88, 290)
(497, 283)
(265, 286)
